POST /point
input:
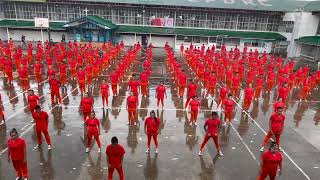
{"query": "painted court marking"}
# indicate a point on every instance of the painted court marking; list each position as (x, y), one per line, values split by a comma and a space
(24, 132)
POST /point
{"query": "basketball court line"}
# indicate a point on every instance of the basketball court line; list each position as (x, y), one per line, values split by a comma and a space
(283, 151)
(8, 101)
(241, 139)
(27, 130)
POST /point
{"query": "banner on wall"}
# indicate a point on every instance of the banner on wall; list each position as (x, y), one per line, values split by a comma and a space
(162, 22)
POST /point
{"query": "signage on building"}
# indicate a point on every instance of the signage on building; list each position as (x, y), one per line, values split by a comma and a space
(162, 22)
(41, 22)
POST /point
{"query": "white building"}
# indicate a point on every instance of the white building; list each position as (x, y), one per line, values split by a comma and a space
(280, 26)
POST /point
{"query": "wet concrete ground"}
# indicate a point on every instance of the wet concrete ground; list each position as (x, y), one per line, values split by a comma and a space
(178, 143)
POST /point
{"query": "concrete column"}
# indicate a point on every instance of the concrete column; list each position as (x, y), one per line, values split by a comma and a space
(8, 33)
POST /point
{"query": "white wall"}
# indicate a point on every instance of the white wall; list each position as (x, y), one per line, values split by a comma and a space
(159, 41)
(305, 24)
(129, 39)
(31, 35)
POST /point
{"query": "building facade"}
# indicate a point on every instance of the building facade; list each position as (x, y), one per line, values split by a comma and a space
(266, 25)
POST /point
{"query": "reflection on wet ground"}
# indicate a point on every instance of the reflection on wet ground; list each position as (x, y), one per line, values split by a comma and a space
(179, 143)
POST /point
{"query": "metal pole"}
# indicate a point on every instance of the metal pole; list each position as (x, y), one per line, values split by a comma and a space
(150, 38)
(8, 33)
(41, 35)
(135, 38)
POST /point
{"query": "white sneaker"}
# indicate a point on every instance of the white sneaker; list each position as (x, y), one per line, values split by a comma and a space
(127, 123)
(87, 150)
(148, 150)
(49, 147)
(37, 146)
(220, 153)
(99, 150)
(157, 151)
(135, 123)
(190, 124)
(18, 178)
(195, 124)
(200, 153)
(262, 149)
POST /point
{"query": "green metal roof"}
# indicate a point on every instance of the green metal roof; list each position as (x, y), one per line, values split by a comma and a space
(95, 19)
(28, 24)
(264, 5)
(312, 6)
(310, 40)
(200, 32)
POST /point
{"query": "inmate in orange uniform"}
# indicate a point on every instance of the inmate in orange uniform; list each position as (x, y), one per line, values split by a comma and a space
(17, 154)
(104, 89)
(160, 93)
(182, 83)
(41, 120)
(195, 107)
(86, 106)
(211, 127)
(81, 80)
(223, 95)
(115, 153)
(93, 130)
(55, 90)
(32, 100)
(144, 84)
(192, 89)
(134, 86)
(151, 127)
(228, 109)
(283, 92)
(271, 162)
(236, 84)
(24, 81)
(132, 105)
(259, 85)
(114, 83)
(276, 127)
(248, 96)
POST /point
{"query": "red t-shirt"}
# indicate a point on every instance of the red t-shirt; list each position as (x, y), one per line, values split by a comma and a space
(16, 148)
(41, 119)
(283, 92)
(104, 89)
(134, 85)
(182, 79)
(248, 93)
(33, 100)
(86, 104)
(235, 81)
(161, 90)
(271, 160)
(132, 102)
(152, 125)
(114, 78)
(115, 155)
(194, 105)
(260, 82)
(93, 123)
(228, 104)
(192, 88)
(54, 85)
(81, 75)
(277, 122)
(223, 92)
(212, 126)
